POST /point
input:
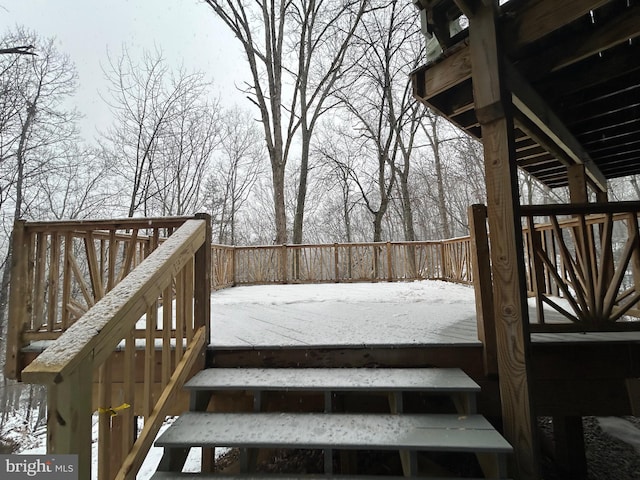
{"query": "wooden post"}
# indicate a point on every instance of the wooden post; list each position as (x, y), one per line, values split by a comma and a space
(283, 263)
(483, 288)
(336, 260)
(389, 262)
(202, 274)
(537, 269)
(569, 446)
(577, 183)
(69, 416)
(494, 111)
(19, 300)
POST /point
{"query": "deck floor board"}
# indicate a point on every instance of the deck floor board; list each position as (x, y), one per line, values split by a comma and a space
(279, 316)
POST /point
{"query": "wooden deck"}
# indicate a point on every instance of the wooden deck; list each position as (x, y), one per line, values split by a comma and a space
(242, 319)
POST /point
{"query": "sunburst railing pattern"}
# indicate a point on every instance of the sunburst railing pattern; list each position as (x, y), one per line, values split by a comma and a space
(584, 265)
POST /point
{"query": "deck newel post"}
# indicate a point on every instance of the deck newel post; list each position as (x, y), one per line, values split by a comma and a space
(494, 111)
(202, 285)
(19, 299)
(283, 263)
(233, 265)
(69, 416)
(336, 260)
(483, 288)
(389, 263)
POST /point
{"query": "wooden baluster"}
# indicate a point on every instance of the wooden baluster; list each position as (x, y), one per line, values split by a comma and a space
(66, 285)
(105, 443)
(389, 262)
(188, 304)
(54, 283)
(167, 327)
(113, 252)
(37, 314)
(149, 359)
(537, 268)
(128, 416)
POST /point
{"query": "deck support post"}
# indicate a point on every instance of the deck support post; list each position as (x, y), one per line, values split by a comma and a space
(577, 175)
(69, 417)
(494, 111)
(20, 301)
(481, 265)
(568, 434)
(202, 285)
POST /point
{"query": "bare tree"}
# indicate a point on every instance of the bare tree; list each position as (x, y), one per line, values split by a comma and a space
(294, 42)
(35, 127)
(152, 105)
(238, 166)
(34, 124)
(382, 109)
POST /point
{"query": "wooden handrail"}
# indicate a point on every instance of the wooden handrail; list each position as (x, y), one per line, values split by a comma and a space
(68, 366)
(103, 327)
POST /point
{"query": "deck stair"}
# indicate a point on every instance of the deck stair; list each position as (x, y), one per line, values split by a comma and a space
(408, 433)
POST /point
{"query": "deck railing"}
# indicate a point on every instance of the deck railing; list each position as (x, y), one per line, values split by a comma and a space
(121, 323)
(342, 262)
(583, 265)
(61, 269)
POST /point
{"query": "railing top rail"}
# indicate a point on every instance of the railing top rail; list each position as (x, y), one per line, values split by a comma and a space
(331, 245)
(455, 239)
(579, 208)
(120, 224)
(96, 334)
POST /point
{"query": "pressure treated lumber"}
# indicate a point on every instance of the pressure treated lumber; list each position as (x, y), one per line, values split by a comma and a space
(437, 432)
(493, 108)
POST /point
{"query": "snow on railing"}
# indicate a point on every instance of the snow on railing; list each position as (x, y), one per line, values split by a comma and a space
(102, 344)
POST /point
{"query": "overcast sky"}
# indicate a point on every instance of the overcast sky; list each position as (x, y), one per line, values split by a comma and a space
(187, 31)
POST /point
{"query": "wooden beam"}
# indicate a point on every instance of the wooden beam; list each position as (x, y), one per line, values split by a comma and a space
(483, 288)
(577, 176)
(537, 19)
(585, 43)
(531, 104)
(493, 109)
(443, 75)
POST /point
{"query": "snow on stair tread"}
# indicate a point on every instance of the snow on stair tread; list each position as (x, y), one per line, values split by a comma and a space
(438, 432)
(334, 379)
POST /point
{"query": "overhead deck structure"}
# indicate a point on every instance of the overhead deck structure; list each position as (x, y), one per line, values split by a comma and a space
(552, 88)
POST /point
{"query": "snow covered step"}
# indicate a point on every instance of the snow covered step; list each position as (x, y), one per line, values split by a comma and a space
(451, 381)
(334, 379)
(416, 432)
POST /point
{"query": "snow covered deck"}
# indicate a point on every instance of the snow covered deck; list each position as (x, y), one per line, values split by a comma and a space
(344, 315)
(374, 315)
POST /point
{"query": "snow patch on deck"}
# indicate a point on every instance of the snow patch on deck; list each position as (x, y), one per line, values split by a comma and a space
(344, 315)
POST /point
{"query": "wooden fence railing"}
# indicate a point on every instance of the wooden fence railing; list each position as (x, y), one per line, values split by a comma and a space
(106, 340)
(61, 269)
(583, 265)
(342, 262)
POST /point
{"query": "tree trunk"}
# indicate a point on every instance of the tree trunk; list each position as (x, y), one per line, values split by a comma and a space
(442, 203)
(279, 205)
(298, 220)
